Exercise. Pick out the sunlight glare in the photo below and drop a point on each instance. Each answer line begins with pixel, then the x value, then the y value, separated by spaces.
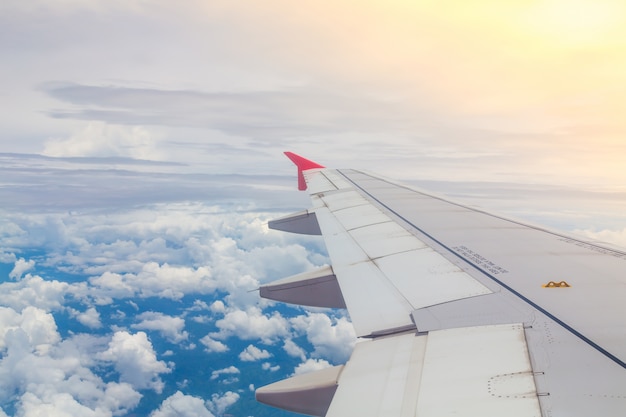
pixel 576 22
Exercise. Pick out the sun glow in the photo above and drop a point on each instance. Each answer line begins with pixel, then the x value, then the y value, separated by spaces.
pixel 577 22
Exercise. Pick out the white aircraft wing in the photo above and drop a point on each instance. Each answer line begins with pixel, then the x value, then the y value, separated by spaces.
pixel 460 312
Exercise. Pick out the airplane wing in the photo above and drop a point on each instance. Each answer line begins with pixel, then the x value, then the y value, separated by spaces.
pixel 460 312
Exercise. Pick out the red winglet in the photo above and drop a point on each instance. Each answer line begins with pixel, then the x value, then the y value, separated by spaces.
pixel 303 164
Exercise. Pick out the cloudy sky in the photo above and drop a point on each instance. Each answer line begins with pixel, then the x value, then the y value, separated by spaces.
pixel 141 157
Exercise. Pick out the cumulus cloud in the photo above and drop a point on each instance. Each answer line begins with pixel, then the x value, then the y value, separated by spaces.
pixel 33 290
pixel 253 353
pixel 38 326
pixel 7 257
pixel 213 345
pixel 231 370
pixel 199 305
pixel 181 405
pixel 252 324
pixel 219 403
pixel 135 359
pixel 45 375
pixel 202 319
pixel 293 349
pixel 218 307
pixel 311 365
pixel 172 328
pixel 21 266
pixel 268 367
pixel 55 405
pixel 165 252
pixel 332 338
pixel 89 318
pixel 162 251
pixel 154 280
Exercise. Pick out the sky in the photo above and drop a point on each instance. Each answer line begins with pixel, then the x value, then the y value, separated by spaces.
pixel 141 158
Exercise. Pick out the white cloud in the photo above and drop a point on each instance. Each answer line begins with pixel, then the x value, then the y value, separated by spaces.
pixel 333 339
pixel 116 399
pixel 128 260
pixel 164 251
pixel 44 375
pixel 155 280
pixel 202 319
pixel 615 237
pixel 89 318
pixel 213 345
pixel 21 266
pixel 311 365
pixel 105 140
pixel 135 360
pixel 32 290
pixel 37 326
pixel 231 370
pixel 181 405
pixel 7 257
pixel 293 349
pixel 199 305
pixel 219 403
pixel 266 366
pixel 218 307
pixel 120 397
pixel 253 353
pixel 169 327
pixel 55 405
pixel 40 328
pixel 252 324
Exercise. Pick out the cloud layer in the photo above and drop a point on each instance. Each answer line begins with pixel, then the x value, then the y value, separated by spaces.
pixel 95 276
pixel 532 91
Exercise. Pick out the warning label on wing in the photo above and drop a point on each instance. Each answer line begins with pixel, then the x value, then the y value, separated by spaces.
pixel 479 260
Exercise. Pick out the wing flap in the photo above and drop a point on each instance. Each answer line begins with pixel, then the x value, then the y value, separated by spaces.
pixel 384 375
pixel 374 304
pixel 477 371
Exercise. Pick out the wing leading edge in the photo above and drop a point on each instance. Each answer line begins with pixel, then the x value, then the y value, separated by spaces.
pixel 453 308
